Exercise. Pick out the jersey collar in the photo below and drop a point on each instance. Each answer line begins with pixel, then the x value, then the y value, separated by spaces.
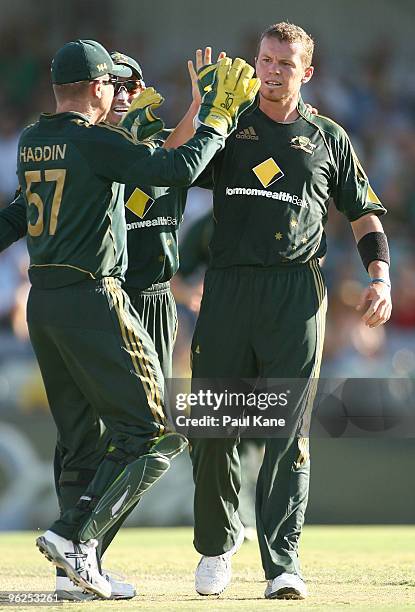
pixel 65 115
pixel 303 110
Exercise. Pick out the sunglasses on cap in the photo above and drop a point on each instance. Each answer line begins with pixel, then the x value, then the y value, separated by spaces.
pixel 130 87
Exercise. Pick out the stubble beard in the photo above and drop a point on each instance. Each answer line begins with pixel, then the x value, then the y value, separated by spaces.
pixel 274 96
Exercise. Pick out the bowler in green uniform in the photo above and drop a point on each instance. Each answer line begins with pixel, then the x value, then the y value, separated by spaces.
pixel 264 303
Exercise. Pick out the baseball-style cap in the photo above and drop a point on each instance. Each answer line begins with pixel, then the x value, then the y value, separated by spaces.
pixel 121 59
pixel 84 60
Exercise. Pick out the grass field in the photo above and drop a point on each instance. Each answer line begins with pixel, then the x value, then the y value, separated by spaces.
pixel 347 568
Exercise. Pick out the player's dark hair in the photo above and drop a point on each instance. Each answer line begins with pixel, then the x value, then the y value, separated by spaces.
pixel 288 32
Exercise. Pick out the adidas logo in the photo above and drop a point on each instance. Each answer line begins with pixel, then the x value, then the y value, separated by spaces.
pixel 247 134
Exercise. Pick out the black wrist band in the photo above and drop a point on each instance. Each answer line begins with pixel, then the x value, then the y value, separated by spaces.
pixel 373 247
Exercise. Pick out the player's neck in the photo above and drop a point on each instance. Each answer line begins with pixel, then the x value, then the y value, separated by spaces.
pixel 93 114
pixel 283 111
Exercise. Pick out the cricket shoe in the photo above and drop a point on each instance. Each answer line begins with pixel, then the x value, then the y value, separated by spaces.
pixel 79 562
pixel 286 586
pixel 213 574
pixel 65 590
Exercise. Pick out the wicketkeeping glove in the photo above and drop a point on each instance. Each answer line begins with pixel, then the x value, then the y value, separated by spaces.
pixel 205 78
pixel 140 119
pixel 233 91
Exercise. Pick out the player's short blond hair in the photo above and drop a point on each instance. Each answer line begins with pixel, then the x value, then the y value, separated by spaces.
pixel 71 91
pixel 288 32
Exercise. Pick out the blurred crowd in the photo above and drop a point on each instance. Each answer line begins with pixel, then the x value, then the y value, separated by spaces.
pixel 372 97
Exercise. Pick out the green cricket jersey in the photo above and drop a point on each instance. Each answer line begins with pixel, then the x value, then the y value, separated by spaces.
pixel 151 231
pixel 152 235
pixel 272 186
pixel 13 224
pixel 72 176
pixel 153 215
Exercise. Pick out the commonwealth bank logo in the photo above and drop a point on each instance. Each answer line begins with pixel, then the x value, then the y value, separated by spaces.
pixel 268 172
pixel 139 203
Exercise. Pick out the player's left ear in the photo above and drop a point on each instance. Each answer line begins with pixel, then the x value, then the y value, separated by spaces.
pixel 97 88
pixel 308 74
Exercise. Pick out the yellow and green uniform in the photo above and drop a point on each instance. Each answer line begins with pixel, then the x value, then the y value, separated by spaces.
pixel 96 359
pixel 263 310
pixel 153 216
pixel 152 261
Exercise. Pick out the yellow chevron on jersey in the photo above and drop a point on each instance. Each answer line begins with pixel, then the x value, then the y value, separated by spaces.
pixel 372 197
pixel 139 203
pixel 268 172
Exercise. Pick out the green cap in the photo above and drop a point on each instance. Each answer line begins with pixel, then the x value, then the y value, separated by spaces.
pixel 84 60
pixel 120 58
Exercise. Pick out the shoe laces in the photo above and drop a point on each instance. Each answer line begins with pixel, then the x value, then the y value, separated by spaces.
pixel 91 544
pixel 112 576
pixel 214 564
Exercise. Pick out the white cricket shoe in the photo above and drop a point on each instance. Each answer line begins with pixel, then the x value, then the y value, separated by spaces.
pixel 79 562
pixel 213 574
pixel 66 590
pixel 119 589
pixel 286 586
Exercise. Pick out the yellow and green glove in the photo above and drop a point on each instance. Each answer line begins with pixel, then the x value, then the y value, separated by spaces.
pixel 140 119
pixel 205 78
pixel 232 92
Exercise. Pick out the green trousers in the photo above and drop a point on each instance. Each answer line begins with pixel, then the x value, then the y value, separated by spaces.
pixel 258 323
pixel 157 309
pixel 97 363
pixel 158 314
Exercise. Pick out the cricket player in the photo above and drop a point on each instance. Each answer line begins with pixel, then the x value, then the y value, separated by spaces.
pixel 153 216
pixel 264 303
pixel 96 360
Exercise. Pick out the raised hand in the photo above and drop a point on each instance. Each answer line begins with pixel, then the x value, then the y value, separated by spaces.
pixel 232 91
pixel 140 119
pixel 203 60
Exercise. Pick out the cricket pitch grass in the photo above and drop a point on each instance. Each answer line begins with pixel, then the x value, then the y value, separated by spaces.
pixel 347 568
